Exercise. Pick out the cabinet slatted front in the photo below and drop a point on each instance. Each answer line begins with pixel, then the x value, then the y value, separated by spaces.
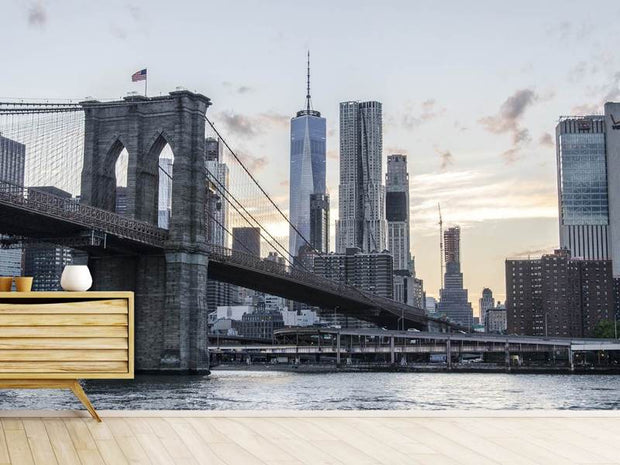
pixel 65 336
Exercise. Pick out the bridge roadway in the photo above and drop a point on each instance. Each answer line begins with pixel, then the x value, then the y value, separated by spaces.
pixel 34 214
pixel 346 342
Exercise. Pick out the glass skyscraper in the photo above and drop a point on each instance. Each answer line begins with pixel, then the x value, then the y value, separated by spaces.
pixel 308 165
pixel 582 187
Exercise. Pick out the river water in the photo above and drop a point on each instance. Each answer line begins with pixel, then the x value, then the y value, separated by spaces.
pixel 271 390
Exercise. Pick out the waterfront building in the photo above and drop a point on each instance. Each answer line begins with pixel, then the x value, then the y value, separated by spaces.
pixel 582 186
pixel 557 295
pixel 319 223
pixel 361 201
pixel 12 166
pixel 367 271
pixel 495 319
pixel 307 172
pixel 453 301
pixel 260 323
pixel 484 303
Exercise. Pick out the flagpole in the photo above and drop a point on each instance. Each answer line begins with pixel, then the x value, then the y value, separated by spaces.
pixel 146 78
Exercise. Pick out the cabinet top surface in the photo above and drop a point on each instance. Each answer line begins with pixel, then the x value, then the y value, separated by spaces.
pixel 67 295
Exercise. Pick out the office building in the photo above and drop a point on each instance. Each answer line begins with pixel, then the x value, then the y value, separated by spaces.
pixel 260 323
pixel 397 212
pixel 582 187
pixel 367 271
pixel 361 201
pixel 430 305
pixel 45 264
pixel 307 170
pixel 453 297
pixel 612 148
pixel 214 150
pixel 246 240
pixel 12 169
pixel 319 223
pixel 218 183
pixel 484 303
pixel 495 320
pixel 121 201
pixel 407 288
pixel 557 295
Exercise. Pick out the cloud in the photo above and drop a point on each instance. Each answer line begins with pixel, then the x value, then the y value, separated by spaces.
pixel 332 154
pixel 507 121
pixel 473 196
pixel 244 89
pixel 238 124
pixel 427 111
pixel 118 31
pixel 607 92
pixel 446 159
pixel 533 253
pixel 546 140
pixel 252 162
pixel 587 109
pixel 37 14
pixel 566 30
pixel 251 126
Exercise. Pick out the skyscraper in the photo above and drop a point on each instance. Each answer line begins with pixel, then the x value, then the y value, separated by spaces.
pixel 582 186
pixel 319 222
pixel 218 177
pixel 12 164
pixel 246 240
pixel 361 199
pixel 308 164
pixel 485 302
pixel 397 212
pixel 612 146
pixel 453 298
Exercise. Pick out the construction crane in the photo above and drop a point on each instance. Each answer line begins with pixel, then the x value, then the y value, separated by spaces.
pixel 440 244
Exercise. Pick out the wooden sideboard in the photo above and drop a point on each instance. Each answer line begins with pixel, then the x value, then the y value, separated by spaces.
pixel 53 339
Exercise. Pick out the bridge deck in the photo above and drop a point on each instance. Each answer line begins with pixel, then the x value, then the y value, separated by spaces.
pixel 297 438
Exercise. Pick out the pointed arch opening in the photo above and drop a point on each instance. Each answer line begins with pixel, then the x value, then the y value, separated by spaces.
pixel 112 175
pixel 165 164
pixel 120 173
pixel 154 183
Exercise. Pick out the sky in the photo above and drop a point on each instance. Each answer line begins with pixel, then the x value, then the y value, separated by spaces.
pixel 471 93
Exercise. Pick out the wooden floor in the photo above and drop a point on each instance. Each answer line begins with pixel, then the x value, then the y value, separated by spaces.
pixel 313 438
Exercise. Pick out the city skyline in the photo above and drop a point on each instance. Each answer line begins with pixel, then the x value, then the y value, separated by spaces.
pixel 462 119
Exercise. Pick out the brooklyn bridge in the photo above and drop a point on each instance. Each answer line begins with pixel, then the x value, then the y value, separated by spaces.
pixel 77 148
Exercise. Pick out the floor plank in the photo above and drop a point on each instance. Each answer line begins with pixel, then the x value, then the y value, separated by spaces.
pixel 310 438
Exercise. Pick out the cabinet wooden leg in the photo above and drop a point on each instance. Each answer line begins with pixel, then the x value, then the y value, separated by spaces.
pixel 81 395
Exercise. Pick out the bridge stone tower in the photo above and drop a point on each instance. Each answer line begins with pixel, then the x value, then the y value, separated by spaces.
pixel 170 287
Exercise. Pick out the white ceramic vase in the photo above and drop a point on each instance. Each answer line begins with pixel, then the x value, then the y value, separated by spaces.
pixel 76 278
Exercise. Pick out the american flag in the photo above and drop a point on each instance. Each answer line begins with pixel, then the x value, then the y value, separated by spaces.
pixel 139 76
